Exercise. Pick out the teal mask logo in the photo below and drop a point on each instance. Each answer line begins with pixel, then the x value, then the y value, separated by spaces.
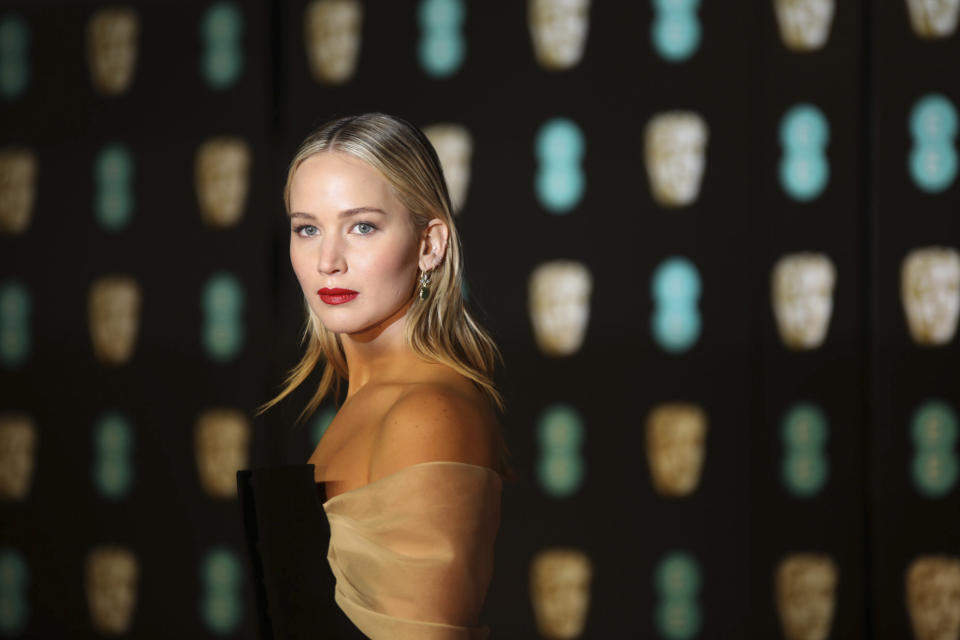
pixel 677 583
pixel 933 430
pixel 223 304
pixel 113 172
pixel 14 57
pixel 14 324
pixel 220 602
pixel 805 467
pixel 112 448
pixel 933 158
pixel 221 31
pixel 14 589
pixel 321 422
pixel 442 47
pixel 675 31
pixel 560 180
pixel 561 468
pixel 804 136
pixel 675 287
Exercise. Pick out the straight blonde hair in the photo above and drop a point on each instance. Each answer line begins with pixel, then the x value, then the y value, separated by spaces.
pixel 438 329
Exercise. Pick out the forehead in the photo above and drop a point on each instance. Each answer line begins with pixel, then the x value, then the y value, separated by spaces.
pixel 337 181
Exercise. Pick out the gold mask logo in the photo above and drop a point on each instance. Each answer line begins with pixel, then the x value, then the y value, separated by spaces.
pixel 802 292
pixel 222 175
pixel 454 146
pixel 112 42
pixel 930 293
pixel 559 31
pixel 113 308
pixel 806 594
pixel 112 574
pixel 560 591
pixel 332 35
pixel 804 24
pixel 18 443
pixel 933 597
pixel 674 147
pixel 221 445
pixel 18 189
pixel 676 447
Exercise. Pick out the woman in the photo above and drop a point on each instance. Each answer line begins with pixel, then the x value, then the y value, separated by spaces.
pixel 410 465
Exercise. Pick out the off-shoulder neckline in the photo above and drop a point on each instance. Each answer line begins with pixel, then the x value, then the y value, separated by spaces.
pixel 412 466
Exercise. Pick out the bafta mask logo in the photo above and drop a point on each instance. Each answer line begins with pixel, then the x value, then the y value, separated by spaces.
pixel 933 19
pixel 14 592
pixel 223 302
pixel 560 180
pixel 934 430
pixel 933 157
pixel 802 292
pixel 674 146
pixel 442 45
pixel 560 592
pixel 112 40
pixel 222 174
pixel 14 57
pixel 332 34
pixel 930 293
pixel 113 200
pixel 675 287
pixel 805 467
pixel 112 574
pixel 804 168
pixel 804 24
pixel 14 324
pixel 18 189
pixel 454 146
pixel 806 593
pixel 221 32
pixel 933 597
pixel 18 443
pixel 113 307
pixel 560 433
pixel 112 448
pixel 677 581
pixel 675 33
pixel 221 604
pixel 221 444
pixel 559 31
pixel 559 305
pixel 676 436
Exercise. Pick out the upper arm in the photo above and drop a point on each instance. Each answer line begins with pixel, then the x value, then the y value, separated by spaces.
pixel 430 424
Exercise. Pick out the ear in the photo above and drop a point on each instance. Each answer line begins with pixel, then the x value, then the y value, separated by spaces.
pixel 433 244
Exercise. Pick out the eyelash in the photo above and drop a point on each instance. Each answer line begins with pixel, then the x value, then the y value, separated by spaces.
pixel 299 229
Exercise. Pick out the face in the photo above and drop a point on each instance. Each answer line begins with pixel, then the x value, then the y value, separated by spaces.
pixel 559 29
pixel 221 444
pixel 222 173
pixel 930 292
pixel 112 574
pixel 353 244
pixel 114 316
pixel 934 18
pixel 333 39
pixel 803 298
pixel 674 148
pixel 676 435
pixel 112 48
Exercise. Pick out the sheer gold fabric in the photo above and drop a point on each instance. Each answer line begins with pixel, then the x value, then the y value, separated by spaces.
pixel 412 552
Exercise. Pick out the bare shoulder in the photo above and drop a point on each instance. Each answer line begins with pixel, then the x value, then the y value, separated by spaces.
pixel 434 421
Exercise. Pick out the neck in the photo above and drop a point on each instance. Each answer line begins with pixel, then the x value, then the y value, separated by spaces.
pixel 378 352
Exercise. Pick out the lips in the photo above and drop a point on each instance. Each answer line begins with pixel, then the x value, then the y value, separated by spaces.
pixel 336 296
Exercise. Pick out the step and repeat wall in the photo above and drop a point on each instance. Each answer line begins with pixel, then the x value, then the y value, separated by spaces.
pixel 716 242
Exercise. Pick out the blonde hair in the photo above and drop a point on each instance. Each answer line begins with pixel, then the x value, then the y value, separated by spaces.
pixel 438 329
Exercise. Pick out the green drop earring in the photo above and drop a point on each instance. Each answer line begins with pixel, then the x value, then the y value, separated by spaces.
pixel 424 285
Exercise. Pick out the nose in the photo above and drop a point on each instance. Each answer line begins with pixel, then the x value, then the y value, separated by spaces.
pixel 330 259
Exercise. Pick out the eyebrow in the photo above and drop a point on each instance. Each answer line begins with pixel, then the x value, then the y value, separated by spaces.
pixel 343 214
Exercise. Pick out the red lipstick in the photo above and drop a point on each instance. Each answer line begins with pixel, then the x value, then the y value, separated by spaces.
pixel 336 296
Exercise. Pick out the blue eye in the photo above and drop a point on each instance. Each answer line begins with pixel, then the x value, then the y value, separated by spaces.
pixel 364 228
pixel 305 230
